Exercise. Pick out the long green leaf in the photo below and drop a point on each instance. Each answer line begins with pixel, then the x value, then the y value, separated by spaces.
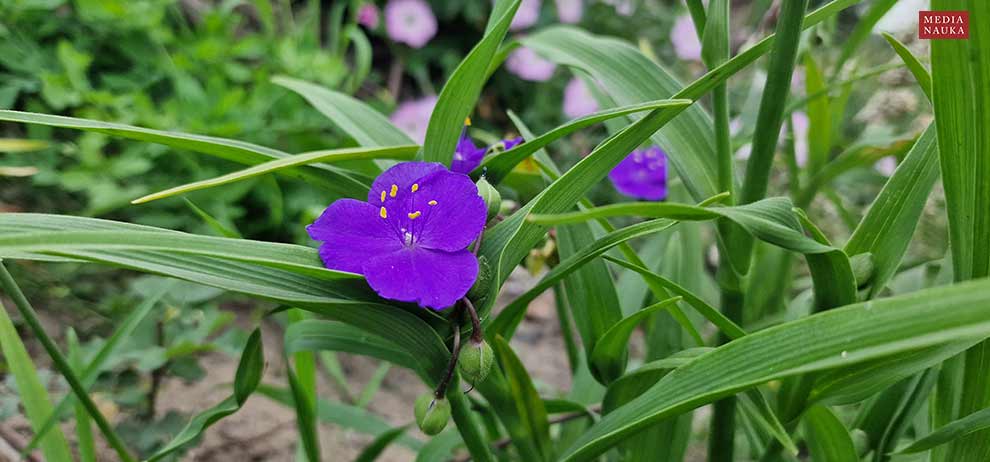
pixel 614 342
pixel 34 396
pixel 325 176
pixel 250 368
pixel 460 93
pixel 367 126
pixel 528 402
pixel 372 451
pixel 321 335
pixel 862 31
pixel 828 440
pixel 979 420
pixel 869 330
pixel 918 70
pixel 333 155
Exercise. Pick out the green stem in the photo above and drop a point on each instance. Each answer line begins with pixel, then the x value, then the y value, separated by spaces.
pixel 61 364
pixel 721 442
pixel 467 426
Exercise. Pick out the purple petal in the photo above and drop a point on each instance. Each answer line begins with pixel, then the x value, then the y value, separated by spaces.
pixel 511 143
pixel 431 278
pixel 410 21
pixel 449 212
pixel 467 155
pixel 642 174
pixel 368 16
pixel 352 232
pixel 403 175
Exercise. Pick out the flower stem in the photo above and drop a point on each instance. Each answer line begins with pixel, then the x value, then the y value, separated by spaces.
pixel 441 390
pixel 477 335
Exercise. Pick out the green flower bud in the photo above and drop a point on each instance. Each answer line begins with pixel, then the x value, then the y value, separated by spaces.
pixel 861 441
pixel 491 196
pixel 431 414
pixel 862 267
pixel 475 362
pixel 481 285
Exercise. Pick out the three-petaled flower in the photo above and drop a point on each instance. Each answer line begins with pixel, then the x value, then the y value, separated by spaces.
pixel 410 238
pixel 642 174
pixel 468 156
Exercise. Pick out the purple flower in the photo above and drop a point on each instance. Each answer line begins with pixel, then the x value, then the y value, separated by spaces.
pixel 886 165
pixel 578 101
pixel 528 65
pixel 570 11
pixel 412 117
pixel 410 22
pixel 368 16
pixel 685 39
pixel 642 174
pixel 527 14
pixel 468 156
pixel 410 238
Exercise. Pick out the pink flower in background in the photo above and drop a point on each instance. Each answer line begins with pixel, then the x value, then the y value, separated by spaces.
pixel 797 81
pixel 578 101
pixel 570 11
pixel 527 14
pixel 685 39
pixel 800 122
pixel 526 64
pixel 886 165
pixel 623 7
pixel 410 21
pixel 368 16
pixel 413 116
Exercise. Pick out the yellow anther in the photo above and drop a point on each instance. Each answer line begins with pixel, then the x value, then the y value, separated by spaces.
pixel 383 196
pixel 394 190
pixel 415 187
pixel 383 213
pixel 467 121
pixel 432 202
pixel 415 215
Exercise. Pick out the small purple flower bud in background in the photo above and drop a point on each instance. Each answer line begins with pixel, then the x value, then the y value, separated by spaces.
pixel 410 239
pixel 368 16
pixel 410 21
pixel 570 11
pixel 886 165
pixel 527 14
pixel 800 122
pixel 412 117
pixel 685 39
pixel 642 174
pixel 467 155
pixel 526 64
pixel 578 101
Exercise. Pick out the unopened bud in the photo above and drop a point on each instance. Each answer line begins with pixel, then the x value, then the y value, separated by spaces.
pixel 484 280
pixel 493 199
pixel 475 362
pixel 862 268
pixel 432 414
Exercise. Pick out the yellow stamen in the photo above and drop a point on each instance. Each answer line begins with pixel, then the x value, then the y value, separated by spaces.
pixel 415 187
pixel 383 213
pixel 394 190
pixel 432 202
pixel 415 215
pixel 467 121
pixel 383 196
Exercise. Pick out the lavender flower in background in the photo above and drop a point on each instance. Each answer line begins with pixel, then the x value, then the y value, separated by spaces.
pixel 412 117
pixel 886 165
pixel 528 65
pixel 527 14
pixel 410 238
pixel 410 21
pixel 685 40
pixel 578 100
pixel 368 16
pixel 570 11
pixel 642 174
pixel 800 124
pixel 622 7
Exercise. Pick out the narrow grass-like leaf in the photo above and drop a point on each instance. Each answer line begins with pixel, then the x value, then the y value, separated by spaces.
pixel 819 116
pixel 832 273
pixel 896 211
pixel 33 395
pixel 321 335
pixel 212 222
pixel 467 424
pixel 862 31
pixel 85 443
pixel 305 416
pixel 439 448
pixel 608 357
pixel 496 168
pixel 333 155
pixel 459 95
pixel 828 440
pixel 528 402
pixel 246 379
pixel 372 451
pixel 870 330
pixel 974 422
pixel 917 69
pixel 325 176
pixel 366 125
